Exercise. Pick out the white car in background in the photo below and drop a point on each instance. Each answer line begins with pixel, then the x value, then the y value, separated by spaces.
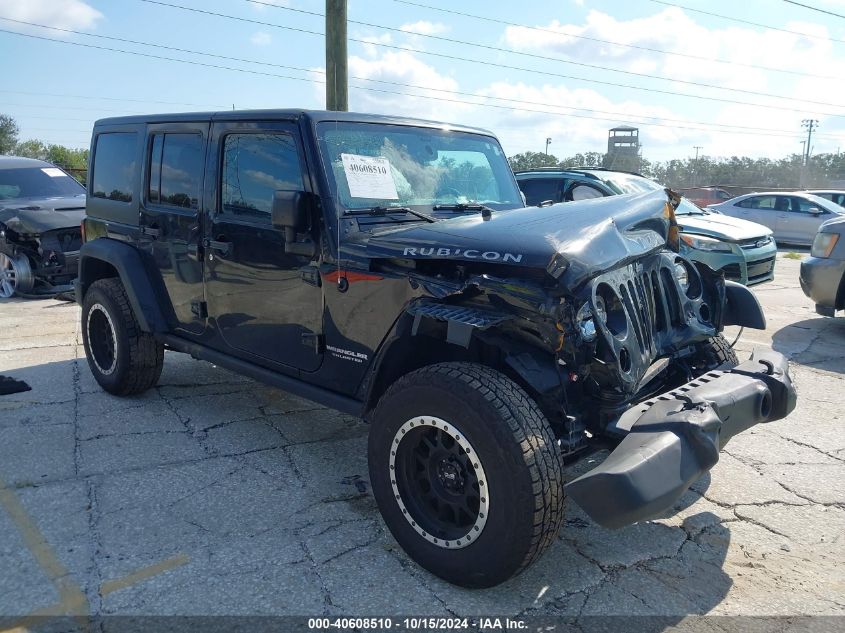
pixel 794 217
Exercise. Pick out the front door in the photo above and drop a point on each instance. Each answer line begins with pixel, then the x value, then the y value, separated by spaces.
pixel 264 301
pixel 802 225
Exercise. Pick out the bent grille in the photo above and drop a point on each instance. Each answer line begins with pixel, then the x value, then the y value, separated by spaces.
pixel 650 305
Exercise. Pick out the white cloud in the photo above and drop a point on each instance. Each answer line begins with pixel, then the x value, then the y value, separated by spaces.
pixel 404 68
pixel 424 27
pixel 63 14
pixel 261 38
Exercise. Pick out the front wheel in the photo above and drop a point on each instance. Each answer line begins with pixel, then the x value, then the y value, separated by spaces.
pixel 466 472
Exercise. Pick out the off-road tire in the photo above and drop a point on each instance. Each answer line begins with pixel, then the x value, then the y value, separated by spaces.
pixel 519 456
pixel 716 351
pixel 138 357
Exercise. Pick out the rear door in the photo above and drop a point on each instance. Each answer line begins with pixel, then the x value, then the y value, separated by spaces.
pixel 760 209
pixel 169 214
pixel 266 303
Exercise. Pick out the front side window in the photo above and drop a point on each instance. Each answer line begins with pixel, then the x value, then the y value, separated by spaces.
pixel 114 166
pixel 255 165
pixel 176 166
pixel 372 165
pixel 800 205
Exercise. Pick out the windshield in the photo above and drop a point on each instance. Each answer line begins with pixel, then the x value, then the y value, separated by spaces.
pixel 376 165
pixel 628 183
pixel 688 208
pixel 37 182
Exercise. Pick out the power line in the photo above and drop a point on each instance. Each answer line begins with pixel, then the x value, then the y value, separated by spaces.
pixel 558 60
pixel 90 98
pixel 612 43
pixel 626 116
pixel 819 9
pixel 741 21
pixel 500 65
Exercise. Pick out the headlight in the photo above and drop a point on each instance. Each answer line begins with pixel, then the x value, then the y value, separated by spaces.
pixel 682 275
pixel 586 324
pixel 823 244
pixel 701 243
pixel 601 309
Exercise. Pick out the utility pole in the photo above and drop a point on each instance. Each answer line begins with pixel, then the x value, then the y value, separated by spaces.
pixel 337 90
pixel 695 168
pixel 548 142
pixel 810 125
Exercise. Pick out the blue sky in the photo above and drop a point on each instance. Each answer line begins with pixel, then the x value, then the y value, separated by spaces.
pixel 559 79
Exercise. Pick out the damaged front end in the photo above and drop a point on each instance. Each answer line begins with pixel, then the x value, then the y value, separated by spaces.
pixel 591 305
pixel 673 439
pixel 39 248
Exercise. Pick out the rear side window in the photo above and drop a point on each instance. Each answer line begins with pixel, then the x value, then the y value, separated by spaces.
pixel 254 166
pixel 114 166
pixel 539 190
pixel 176 166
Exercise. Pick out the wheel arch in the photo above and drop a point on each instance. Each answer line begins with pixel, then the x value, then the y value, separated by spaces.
pixel 105 258
pixel 409 347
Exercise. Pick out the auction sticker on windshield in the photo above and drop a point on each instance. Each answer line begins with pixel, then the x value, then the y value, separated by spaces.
pixel 369 177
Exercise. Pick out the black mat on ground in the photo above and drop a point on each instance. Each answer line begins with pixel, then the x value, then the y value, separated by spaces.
pixel 10 385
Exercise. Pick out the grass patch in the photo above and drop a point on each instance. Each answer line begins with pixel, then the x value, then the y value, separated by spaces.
pixel 793 255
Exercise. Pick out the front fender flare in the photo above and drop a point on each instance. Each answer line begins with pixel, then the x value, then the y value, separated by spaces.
pixel 742 307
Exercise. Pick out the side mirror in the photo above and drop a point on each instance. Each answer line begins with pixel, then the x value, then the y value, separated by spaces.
pixel 816 211
pixel 291 211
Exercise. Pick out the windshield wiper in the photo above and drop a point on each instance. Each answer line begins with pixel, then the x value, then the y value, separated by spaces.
pixel 465 206
pixel 382 210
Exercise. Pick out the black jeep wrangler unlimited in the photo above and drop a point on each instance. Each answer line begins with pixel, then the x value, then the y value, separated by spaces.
pixel 388 268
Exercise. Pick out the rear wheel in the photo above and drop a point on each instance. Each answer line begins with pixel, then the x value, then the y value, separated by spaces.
pixel 466 473
pixel 123 359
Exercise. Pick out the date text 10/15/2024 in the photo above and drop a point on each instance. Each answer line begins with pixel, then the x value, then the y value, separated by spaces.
pixel 417 624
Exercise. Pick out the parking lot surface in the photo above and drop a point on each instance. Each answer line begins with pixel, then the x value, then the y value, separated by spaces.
pixel 213 494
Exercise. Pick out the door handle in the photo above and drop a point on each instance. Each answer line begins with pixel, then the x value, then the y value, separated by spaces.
pixel 221 246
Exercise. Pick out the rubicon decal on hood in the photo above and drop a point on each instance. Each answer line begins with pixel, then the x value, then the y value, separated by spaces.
pixel 470 253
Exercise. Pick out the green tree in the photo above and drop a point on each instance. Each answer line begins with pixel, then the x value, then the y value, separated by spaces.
pixel 8 134
pixel 32 148
pixel 532 160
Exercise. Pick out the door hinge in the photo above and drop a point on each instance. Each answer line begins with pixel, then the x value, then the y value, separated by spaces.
pixel 199 309
pixel 310 275
pixel 316 342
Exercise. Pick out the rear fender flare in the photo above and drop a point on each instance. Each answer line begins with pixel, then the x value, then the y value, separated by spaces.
pixel 144 297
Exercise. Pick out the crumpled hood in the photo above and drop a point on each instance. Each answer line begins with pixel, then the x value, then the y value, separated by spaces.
pixel 721 226
pixel 33 217
pixel 592 236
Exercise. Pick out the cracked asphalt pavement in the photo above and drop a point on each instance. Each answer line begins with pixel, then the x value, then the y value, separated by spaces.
pixel 213 494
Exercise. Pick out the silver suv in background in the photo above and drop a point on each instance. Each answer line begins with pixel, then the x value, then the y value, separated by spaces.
pixel 822 273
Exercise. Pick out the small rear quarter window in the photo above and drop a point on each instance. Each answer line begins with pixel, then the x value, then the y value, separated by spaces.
pixel 114 166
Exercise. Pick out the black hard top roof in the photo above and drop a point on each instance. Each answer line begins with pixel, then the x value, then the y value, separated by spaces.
pixel 315 116
pixel 18 162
